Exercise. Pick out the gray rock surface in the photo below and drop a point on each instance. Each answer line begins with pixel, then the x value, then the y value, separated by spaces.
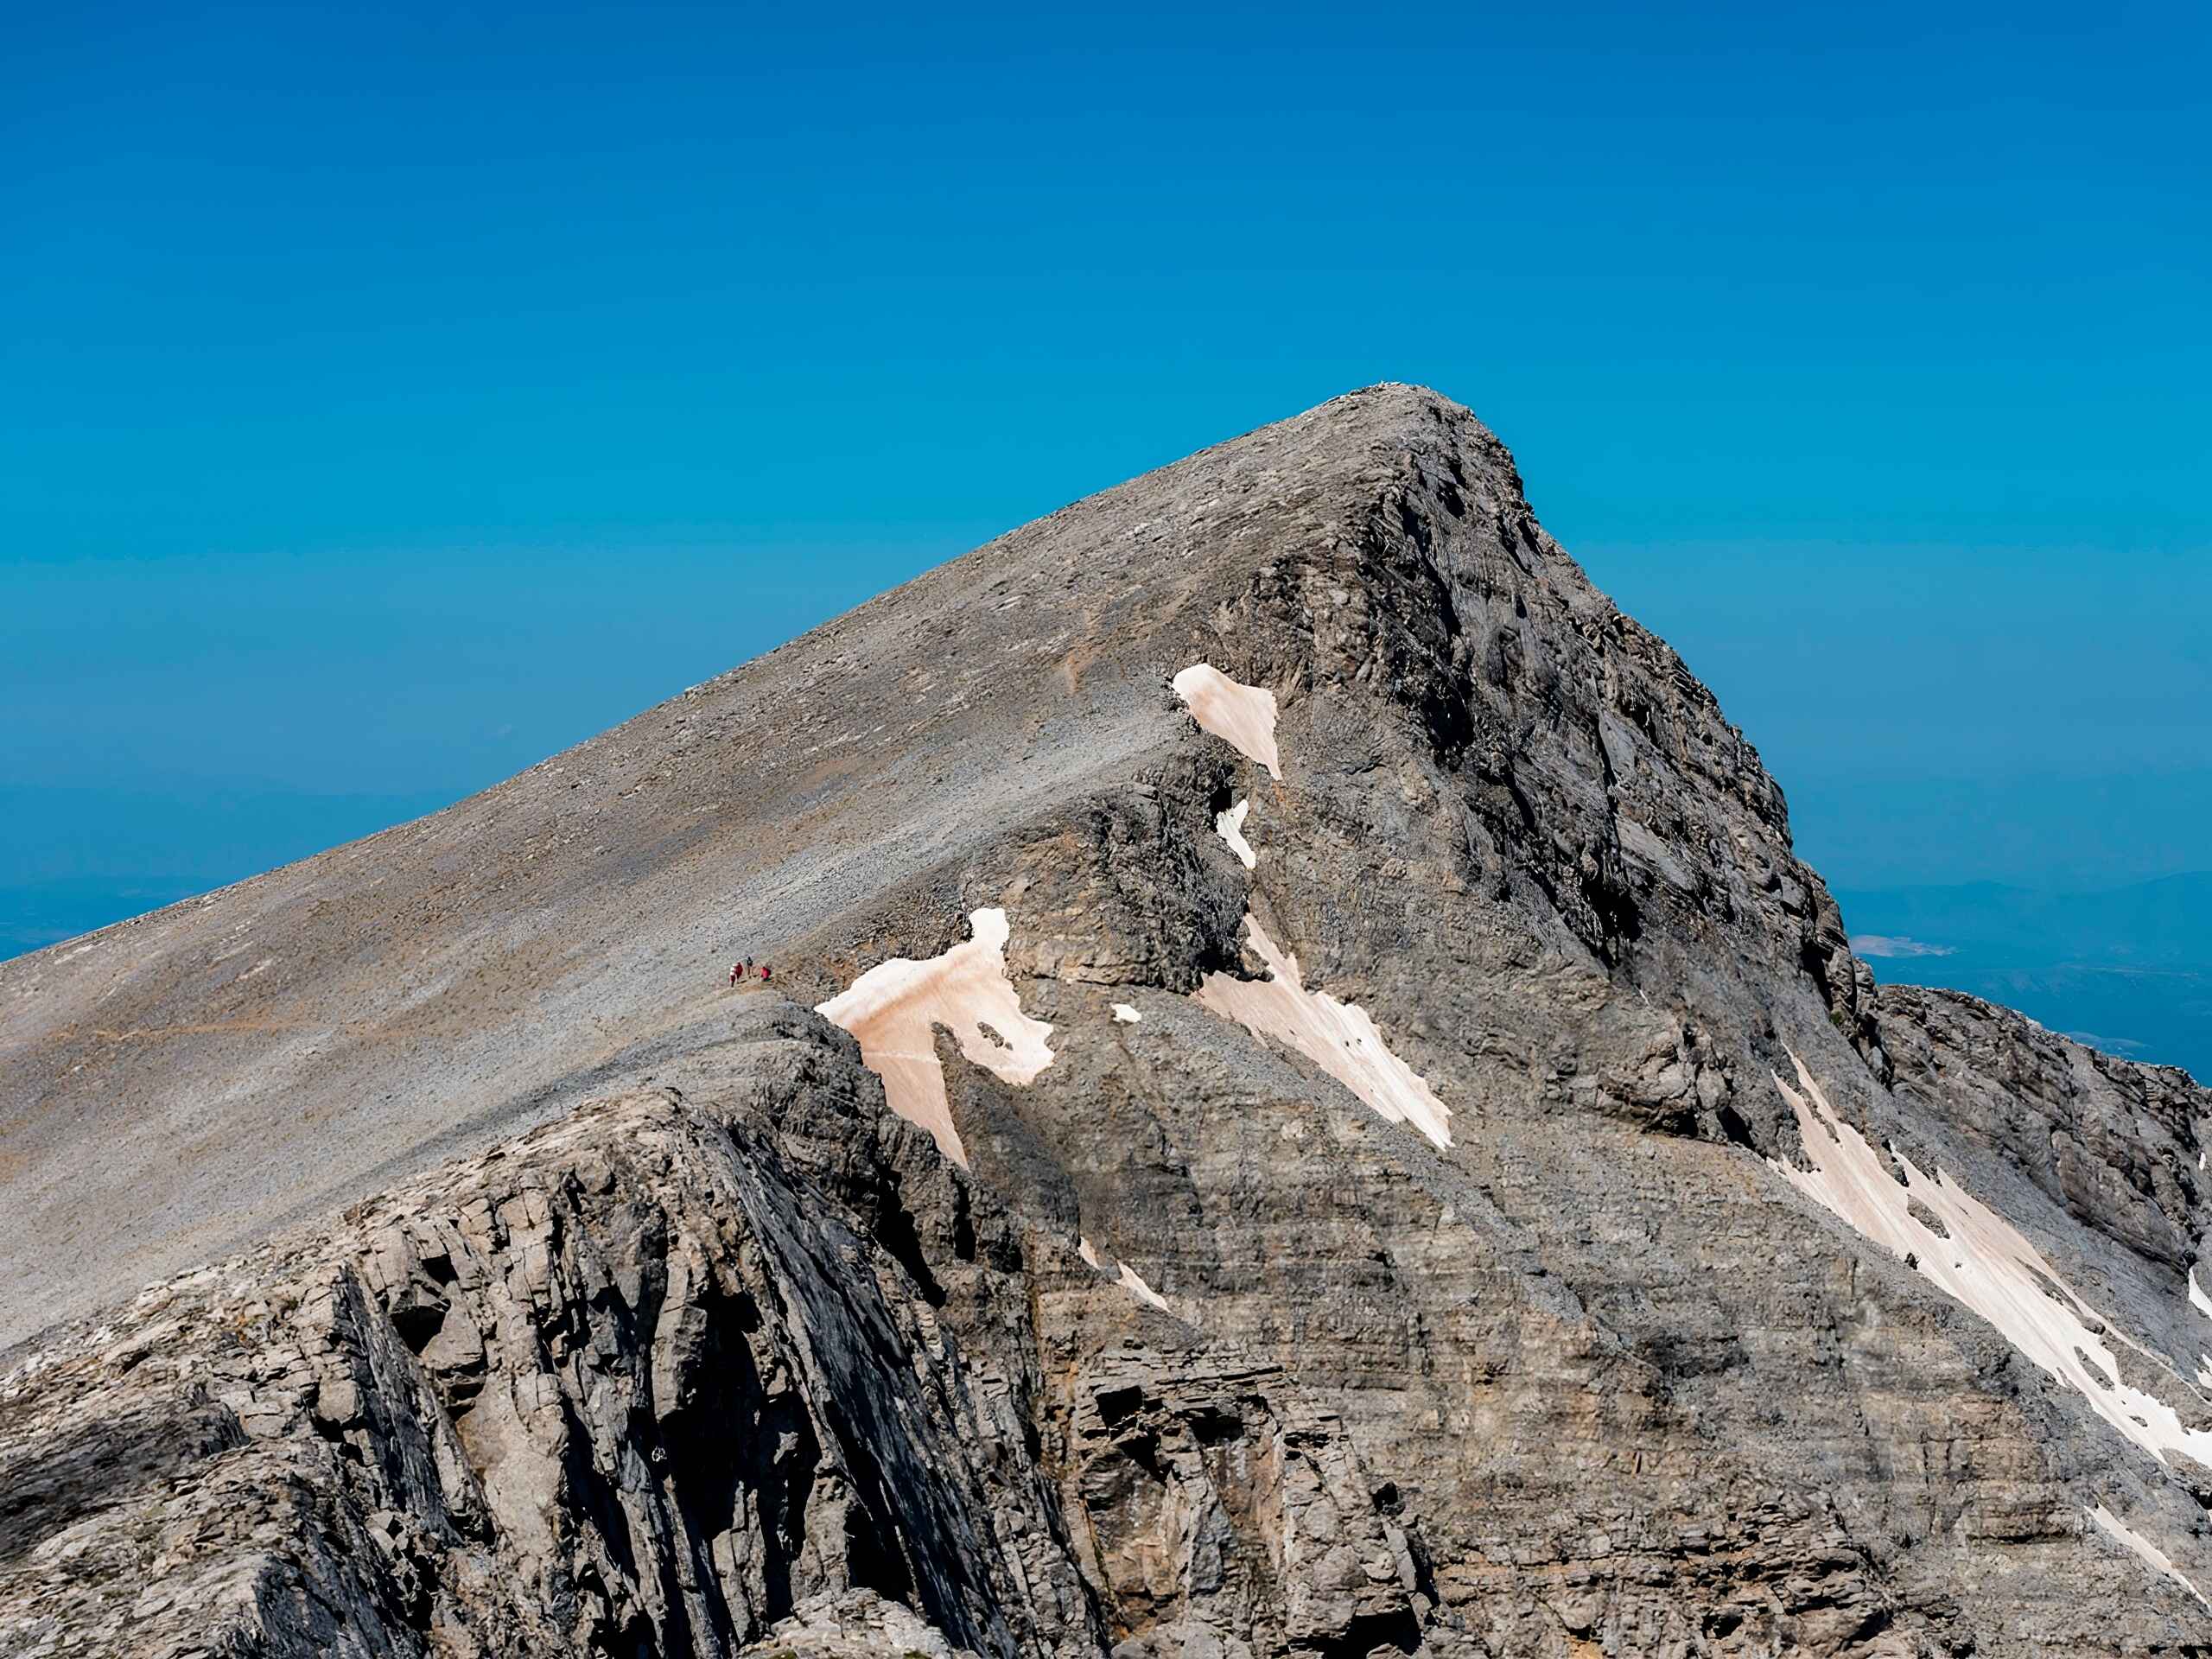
pixel 728 1358
pixel 757 1373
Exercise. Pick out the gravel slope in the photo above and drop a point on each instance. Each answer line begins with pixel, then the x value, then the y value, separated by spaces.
pixel 172 1087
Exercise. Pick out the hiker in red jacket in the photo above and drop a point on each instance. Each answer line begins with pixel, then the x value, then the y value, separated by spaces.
pixel 735 968
pixel 763 973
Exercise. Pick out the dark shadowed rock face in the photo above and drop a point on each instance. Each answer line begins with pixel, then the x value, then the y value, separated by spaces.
pixel 1204 1355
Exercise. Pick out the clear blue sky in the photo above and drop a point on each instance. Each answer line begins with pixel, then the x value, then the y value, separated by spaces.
pixel 392 396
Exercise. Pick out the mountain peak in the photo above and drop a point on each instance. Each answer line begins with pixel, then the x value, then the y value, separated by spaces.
pixel 1371 559
pixel 1260 996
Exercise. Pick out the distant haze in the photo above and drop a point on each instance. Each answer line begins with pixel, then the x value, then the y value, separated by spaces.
pixel 2127 968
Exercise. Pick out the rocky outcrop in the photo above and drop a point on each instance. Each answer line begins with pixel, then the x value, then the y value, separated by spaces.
pixel 675 1376
pixel 1221 1512
pixel 2118 1145
pixel 1207 1356
pixel 634 1384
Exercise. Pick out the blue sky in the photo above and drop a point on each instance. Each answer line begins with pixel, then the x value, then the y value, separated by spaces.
pixel 390 397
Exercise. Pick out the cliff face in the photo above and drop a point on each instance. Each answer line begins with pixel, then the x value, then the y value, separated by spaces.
pixel 678 1374
pixel 1406 1161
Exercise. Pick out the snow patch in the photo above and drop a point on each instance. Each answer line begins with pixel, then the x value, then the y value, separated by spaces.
pixel 1126 1276
pixel 1985 1263
pixel 1230 826
pixel 1338 1036
pixel 2128 1538
pixel 893 1006
pixel 1243 716
pixel 1125 1015
pixel 1144 1293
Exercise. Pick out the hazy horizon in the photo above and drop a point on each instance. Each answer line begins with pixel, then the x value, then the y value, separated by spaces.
pixel 394 400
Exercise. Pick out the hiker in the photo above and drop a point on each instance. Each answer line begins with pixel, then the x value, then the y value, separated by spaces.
pixel 763 973
pixel 735 969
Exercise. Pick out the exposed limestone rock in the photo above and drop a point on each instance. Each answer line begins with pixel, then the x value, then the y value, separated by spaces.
pixel 655 1379
pixel 854 1624
pixel 2115 1142
pixel 1205 1359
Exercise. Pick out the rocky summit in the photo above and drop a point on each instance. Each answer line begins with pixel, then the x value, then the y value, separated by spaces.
pixel 1304 1106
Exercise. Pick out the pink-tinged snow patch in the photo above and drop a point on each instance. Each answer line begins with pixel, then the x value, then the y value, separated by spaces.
pixel 1230 826
pixel 1338 1036
pixel 891 1009
pixel 1127 1276
pixel 1985 1263
pixel 1132 1282
pixel 2128 1539
pixel 1243 716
